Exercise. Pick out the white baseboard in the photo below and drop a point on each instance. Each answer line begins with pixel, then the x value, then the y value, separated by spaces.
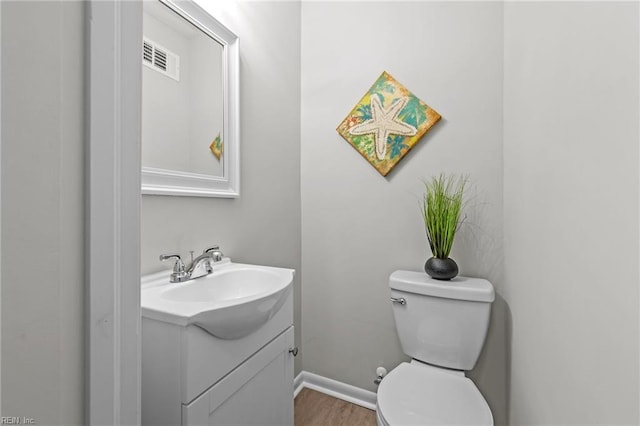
pixel 358 396
pixel 298 384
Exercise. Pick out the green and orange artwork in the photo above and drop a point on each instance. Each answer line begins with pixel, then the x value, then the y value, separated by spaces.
pixel 217 147
pixel 386 123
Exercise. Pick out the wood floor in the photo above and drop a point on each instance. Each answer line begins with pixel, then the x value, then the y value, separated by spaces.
pixel 313 408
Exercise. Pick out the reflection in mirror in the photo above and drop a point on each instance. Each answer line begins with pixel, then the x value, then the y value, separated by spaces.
pixel 189 102
pixel 181 94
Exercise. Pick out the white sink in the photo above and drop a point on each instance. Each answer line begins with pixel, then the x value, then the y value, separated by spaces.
pixel 230 303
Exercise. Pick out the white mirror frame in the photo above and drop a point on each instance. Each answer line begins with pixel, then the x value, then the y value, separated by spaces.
pixel 174 182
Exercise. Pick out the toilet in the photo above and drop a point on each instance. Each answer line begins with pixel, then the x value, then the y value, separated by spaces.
pixel 442 326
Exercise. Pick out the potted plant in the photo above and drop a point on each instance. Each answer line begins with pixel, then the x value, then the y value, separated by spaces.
pixel 442 204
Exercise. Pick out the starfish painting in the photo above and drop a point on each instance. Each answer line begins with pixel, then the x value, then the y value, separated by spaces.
pixel 383 123
pixel 386 123
pixel 217 147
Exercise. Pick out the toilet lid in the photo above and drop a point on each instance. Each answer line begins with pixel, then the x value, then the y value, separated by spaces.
pixel 418 395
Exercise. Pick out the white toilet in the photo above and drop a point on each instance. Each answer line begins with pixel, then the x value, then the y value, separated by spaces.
pixel 442 326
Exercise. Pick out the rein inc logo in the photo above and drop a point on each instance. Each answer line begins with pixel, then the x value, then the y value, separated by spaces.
pixel 6 420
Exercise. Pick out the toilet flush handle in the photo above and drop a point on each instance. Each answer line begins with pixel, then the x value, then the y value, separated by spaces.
pixel 400 300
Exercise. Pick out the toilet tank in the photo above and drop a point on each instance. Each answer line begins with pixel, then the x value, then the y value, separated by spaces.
pixel 443 323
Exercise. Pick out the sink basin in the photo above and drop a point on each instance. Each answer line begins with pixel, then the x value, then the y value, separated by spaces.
pixel 232 302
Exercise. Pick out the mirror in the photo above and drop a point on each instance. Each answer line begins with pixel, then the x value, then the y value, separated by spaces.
pixel 190 142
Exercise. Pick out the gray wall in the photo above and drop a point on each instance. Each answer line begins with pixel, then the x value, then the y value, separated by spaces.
pixel 263 225
pixel 571 211
pixel 42 211
pixel 358 227
pixel 546 124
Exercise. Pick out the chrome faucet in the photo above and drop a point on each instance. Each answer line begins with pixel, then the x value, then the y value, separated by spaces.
pixel 206 257
pixel 181 273
pixel 178 275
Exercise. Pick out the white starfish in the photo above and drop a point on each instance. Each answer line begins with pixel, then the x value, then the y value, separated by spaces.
pixel 384 123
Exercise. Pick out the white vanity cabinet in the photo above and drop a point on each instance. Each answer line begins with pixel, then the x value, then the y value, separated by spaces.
pixel 190 377
pixel 259 392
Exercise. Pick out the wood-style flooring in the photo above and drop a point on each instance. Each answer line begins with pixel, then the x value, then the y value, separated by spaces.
pixel 313 408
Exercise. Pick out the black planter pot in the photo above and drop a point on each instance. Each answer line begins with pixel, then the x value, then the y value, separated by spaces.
pixel 441 269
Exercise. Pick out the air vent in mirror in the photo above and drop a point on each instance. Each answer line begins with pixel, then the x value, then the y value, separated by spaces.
pixel 160 59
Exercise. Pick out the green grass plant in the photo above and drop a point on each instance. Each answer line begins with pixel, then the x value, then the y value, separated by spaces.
pixel 441 208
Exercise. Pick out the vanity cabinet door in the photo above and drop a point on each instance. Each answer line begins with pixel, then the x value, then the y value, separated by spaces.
pixel 258 392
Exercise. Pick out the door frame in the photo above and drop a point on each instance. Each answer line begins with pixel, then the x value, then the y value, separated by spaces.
pixel 113 213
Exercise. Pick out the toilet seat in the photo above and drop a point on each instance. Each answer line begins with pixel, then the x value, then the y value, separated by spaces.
pixel 413 394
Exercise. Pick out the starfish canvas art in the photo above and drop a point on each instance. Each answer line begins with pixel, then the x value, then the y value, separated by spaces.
pixel 217 147
pixel 386 123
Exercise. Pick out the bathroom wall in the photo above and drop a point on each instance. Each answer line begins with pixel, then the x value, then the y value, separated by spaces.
pixel 357 226
pixel 42 210
pixel 571 211
pixel 263 225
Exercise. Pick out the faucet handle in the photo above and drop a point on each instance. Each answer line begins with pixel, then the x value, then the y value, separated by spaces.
pixel 216 254
pixel 178 274
pixel 177 257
